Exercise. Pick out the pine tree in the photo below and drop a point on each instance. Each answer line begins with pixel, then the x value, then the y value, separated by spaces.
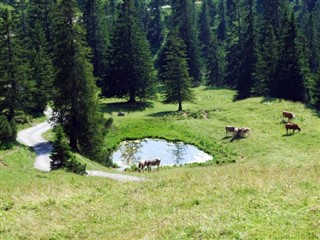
pixel 222 31
pixel 233 42
pixel 174 71
pixel 288 81
pixel 75 102
pixel 61 152
pixel 155 28
pixel 41 70
pixel 41 10
pixel 95 21
pixel 130 70
pixel 215 63
pixel 184 17
pixel 248 55
pixel 205 29
pixel 13 70
pixel 267 58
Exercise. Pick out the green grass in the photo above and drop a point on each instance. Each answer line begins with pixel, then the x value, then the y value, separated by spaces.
pixel 272 191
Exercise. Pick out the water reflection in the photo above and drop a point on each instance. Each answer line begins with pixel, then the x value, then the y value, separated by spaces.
pixel 170 153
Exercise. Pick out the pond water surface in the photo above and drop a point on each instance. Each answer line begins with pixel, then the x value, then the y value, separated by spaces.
pixel 171 153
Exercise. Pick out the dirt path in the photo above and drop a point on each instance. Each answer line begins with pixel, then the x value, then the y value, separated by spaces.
pixel 32 137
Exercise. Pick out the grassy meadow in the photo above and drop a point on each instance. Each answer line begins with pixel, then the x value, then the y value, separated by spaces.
pixel 265 186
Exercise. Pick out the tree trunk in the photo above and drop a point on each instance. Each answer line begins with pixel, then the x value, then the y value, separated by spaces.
pixel 132 98
pixel 180 106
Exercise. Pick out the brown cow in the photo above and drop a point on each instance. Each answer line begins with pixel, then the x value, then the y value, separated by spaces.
pixel 153 162
pixel 288 115
pixel 292 126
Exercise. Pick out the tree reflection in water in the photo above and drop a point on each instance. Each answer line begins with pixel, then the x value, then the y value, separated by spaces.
pixel 130 151
pixel 179 152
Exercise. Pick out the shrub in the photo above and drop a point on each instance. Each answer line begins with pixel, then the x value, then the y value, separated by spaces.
pixel 72 165
pixel 7 130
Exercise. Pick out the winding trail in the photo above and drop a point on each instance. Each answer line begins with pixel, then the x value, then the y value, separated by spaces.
pixel 32 137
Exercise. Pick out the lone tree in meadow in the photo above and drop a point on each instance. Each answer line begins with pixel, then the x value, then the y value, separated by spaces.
pixel 174 71
pixel 130 69
pixel 75 100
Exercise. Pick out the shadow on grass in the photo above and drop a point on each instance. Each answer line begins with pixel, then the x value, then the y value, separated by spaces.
pixel 226 137
pixel 267 99
pixel 313 109
pixel 125 107
pixel 164 114
pixel 289 135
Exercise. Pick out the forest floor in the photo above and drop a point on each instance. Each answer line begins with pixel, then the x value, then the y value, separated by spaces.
pixel 269 190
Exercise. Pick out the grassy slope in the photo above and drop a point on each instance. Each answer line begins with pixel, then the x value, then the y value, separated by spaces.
pixel 272 191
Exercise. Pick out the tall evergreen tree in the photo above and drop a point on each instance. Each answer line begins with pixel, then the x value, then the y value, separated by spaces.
pixel 9 74
pixel 130 70
pixel 215 63
pixel 41 10
pixel 155 28
pixel 233 42
pixel 248 55
pixel 205 29
pixel 174 71
pixel 75 103
pixel 221 30
pixel 288 81
pixel 13 68
pixel 95 21
pixel 184 17
pixel 267 58
pixel 41 70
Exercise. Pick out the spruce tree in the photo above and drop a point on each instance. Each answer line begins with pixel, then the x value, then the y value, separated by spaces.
pixel 184 17
pixel 75 102
pixel 97 34
pixel 155 28
pixel 130 68
pixel 233 42
pixel 13 71
pixel 215 63
pixel 267 58
pixel 41 70
pixel 61 152
pixel 222 27
pixel 248 55
pixel 288 81
pixel 174 71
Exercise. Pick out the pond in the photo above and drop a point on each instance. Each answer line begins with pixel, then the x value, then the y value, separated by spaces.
pixel 171 153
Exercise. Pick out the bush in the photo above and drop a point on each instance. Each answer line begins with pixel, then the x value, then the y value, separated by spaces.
pixel 7 130
pixel 72 165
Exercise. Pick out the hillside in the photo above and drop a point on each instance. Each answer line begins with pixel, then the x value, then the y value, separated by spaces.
pixel 271 191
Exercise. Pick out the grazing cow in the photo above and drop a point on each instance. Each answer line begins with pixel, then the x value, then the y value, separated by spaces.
pixel 230 129
pixel 292 126
pixel 142 164
pixel 153 162
pixel 288 115
pixel 243 131
pixel 121 114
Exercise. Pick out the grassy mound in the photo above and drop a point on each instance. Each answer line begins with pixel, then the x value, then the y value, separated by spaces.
pixel 271 191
